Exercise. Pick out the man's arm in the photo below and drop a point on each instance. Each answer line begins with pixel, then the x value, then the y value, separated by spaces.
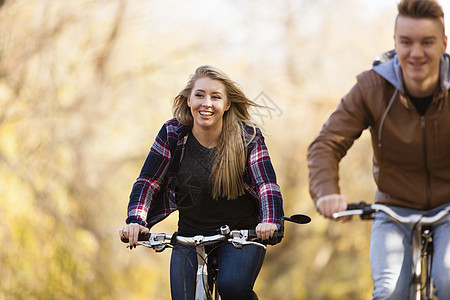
pixel 342 128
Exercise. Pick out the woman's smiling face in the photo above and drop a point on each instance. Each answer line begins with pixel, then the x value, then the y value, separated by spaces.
pixel 208 102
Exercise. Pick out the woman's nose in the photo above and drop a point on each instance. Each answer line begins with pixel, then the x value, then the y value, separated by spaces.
pixel 207 101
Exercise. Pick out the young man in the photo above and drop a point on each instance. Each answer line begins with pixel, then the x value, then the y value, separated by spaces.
pixel 405 102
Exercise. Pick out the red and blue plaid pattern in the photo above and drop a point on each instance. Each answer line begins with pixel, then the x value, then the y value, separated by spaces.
pixel 152 198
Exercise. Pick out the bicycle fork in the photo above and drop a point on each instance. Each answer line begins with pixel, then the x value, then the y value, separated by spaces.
pixel 421 240
pixel 427 241
pixel 202 273
pixel 416 279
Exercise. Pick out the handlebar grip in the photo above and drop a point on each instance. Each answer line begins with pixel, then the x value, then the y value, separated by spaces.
pixel 141 238
pixel 359 205
pixel 367 210
pixel 275 239
pixel 353 206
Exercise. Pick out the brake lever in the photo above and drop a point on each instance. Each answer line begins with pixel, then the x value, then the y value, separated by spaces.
pixel 240 238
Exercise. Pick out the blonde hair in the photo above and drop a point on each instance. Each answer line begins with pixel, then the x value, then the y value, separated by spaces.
pixel 231 155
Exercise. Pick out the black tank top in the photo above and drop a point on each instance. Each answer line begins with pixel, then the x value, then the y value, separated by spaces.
pixel 199 213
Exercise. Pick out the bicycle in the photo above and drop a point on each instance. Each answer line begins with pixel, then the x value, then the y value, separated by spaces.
pixel 207 266
pixel 421 285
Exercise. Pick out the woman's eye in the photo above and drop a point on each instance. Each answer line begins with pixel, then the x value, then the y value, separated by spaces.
pixel 198 95
pixel 216 97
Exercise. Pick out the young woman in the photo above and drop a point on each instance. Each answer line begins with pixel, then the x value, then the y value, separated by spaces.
pixel 211 163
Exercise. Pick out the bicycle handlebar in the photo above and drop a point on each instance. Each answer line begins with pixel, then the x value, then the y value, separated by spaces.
pixel 366 211
pixel 239 238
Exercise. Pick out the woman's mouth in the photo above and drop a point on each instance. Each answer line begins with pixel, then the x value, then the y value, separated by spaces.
pixel 206 113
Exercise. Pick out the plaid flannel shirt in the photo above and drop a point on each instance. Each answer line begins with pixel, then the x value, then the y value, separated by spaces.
pixel 152 197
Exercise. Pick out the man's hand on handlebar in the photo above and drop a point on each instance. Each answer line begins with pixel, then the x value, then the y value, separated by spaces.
pixel 131 232
pixel 330 204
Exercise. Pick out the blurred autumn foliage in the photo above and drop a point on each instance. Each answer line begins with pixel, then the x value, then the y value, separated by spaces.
pixel 85 86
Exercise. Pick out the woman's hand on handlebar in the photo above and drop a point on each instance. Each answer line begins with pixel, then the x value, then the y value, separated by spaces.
pixel 131 232
pixel 330 204
pixel 264 231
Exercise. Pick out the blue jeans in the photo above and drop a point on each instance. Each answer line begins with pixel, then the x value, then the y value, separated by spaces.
pixel 238 269
pixel 391 261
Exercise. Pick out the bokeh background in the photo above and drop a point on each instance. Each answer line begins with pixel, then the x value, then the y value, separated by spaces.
pixel 85 86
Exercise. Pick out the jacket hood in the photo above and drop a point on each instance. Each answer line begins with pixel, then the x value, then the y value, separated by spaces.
pixel 387 66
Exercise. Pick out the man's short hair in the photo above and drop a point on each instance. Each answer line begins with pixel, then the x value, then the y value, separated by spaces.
pixel 422 9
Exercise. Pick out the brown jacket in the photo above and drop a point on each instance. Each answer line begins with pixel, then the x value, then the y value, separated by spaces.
pixel 411 159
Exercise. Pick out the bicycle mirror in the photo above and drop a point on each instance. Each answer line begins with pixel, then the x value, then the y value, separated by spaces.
pixel 298 218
